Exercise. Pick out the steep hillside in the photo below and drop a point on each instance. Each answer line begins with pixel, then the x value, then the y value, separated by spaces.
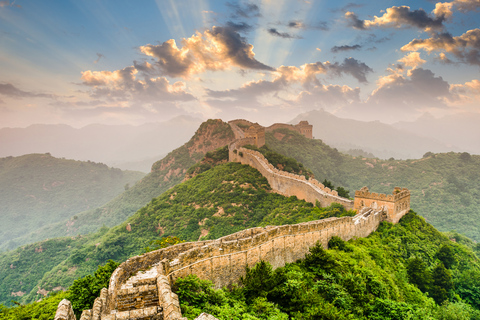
pixel 165 174
pixel 383 140
pixel 224 199
pixel 37 190
pixel 115 145
pixel 444 187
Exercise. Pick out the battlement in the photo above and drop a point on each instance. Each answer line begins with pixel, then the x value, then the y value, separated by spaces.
pixel 137 294
pixel 285 183
pixel 395 204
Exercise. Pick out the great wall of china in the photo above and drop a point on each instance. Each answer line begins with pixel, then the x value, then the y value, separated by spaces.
pixel 140 288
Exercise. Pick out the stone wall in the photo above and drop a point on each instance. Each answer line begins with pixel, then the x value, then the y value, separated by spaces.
pixel 223 261
pixel 285 183
pixel 303 127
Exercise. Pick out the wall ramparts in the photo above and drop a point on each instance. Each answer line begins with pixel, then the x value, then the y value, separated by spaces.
pixel 223 260
pixel 285 183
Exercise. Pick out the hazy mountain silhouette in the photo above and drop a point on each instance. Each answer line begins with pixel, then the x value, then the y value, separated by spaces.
pixel 122 146
pixel 383 140
pixel 461 130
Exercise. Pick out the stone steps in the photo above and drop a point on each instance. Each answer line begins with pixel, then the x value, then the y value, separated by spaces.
pixel 139 292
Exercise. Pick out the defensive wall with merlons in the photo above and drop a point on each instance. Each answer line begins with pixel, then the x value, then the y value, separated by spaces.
pixel 282 182
pixel 140 288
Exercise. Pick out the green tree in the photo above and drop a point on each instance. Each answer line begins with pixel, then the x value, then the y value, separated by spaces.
pixel 442 284
pixel 418 274
pixel 342 192
pixel 162 243
pixel 83 291
pixel 318 260
pixel 328 184
pixel 447 256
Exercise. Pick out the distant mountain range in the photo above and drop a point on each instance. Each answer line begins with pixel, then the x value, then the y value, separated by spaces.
pixel 122 146
pixel 399 141
pixel 461 130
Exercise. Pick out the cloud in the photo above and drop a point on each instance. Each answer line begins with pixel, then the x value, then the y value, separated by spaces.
pixel 103 78
pixel 348 6
pixel 328 97
pixel 401 96
pixel 123 85
pixel 419 89
pixel 216 49
pixel 240 27
pixel 283 90
pixel 445 9
pixel 9 90
pixel 466 47
pixel 354 21
pixel 442 58
pixel 247 10
pixel 285 35
pixel 99 55
pixel 345 48
pixel 467 93
pixel 296 24
pixel 401 16
pixel 351 66
pixel 412 60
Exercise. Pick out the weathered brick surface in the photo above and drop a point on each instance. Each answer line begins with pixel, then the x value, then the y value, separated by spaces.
pixel 64 311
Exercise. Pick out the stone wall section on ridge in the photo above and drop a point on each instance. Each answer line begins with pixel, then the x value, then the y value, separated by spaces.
pixel 285 183
pixel 134 293
pixel 223 260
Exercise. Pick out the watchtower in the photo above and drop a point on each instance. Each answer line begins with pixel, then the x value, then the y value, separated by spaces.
pixel 395 205
pixel 257 133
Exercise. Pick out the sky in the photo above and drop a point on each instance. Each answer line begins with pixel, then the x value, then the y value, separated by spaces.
pixel 134 62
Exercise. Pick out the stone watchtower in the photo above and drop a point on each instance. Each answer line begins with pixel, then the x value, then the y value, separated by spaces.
pixel 395 205
pixel 305 129
pixel 257 133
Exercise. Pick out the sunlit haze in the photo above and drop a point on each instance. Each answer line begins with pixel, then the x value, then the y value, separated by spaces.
pixel 133 62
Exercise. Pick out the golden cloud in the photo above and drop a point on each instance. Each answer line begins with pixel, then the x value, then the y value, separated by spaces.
pixel 412 60
pixel 216 49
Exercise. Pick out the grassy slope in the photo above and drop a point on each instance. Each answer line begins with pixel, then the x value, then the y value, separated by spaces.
pixel 37 190
pixel 444 187
pixel 165 174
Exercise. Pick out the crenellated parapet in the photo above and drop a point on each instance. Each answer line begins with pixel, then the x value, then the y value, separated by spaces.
pixel 285 183
pixel 140 288
pixel 395 205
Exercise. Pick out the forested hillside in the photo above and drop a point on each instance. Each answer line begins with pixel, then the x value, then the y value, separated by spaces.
pixel 222 200
pixel 165 174
pixel 445 187
pixel 37 190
